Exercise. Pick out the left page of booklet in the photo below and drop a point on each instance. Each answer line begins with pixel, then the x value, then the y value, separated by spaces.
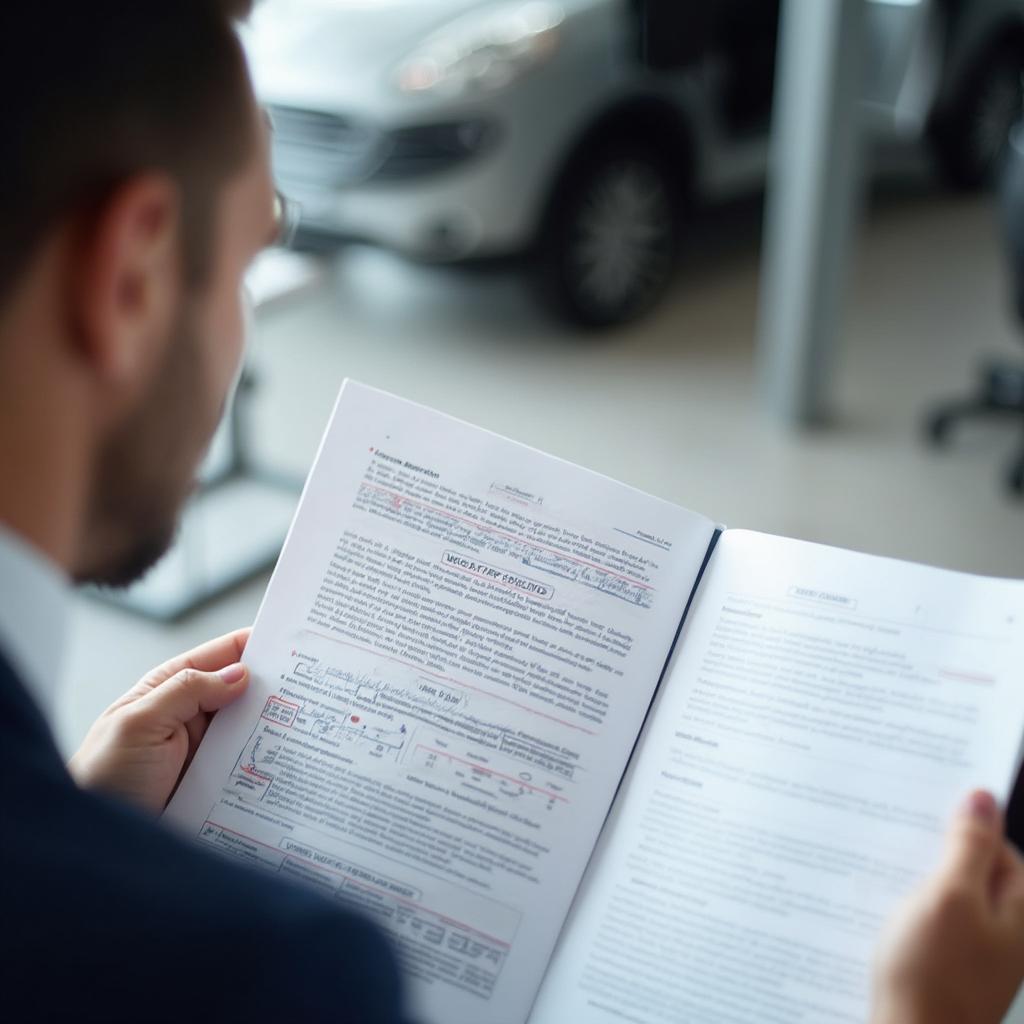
pixel 449 670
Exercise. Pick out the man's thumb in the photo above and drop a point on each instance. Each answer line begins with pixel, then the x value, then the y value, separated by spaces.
pixel 190 691
pixel 975 839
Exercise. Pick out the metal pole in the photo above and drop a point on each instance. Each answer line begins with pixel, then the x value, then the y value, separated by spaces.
pixel 813 197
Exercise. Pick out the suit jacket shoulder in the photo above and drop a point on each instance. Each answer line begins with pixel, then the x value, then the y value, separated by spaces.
pixel 108 916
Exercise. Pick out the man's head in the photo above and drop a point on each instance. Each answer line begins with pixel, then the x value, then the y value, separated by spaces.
pixel 134 191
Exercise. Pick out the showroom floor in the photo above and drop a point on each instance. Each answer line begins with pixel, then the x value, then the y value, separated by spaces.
pixel 668 406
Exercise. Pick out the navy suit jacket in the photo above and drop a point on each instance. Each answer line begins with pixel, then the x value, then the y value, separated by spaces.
pixel 105 915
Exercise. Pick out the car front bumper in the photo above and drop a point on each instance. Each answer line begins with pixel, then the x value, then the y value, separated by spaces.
pixel 412 196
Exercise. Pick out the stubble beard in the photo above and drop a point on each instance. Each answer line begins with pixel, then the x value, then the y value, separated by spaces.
pixel 146 470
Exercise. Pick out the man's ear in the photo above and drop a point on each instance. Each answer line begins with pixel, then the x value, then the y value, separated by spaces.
pixel 127 280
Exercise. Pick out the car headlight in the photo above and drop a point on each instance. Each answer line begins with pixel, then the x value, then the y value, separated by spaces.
pixel 483 51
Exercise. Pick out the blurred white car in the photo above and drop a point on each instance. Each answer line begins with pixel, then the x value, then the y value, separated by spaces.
pixel 574 131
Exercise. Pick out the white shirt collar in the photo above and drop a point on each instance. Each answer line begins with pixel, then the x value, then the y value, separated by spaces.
pixel 35 607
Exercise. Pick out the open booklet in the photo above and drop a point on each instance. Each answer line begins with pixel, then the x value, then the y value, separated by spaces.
pixel 466 642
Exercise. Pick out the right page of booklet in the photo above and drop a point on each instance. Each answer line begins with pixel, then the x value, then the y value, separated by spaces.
pixel 824 714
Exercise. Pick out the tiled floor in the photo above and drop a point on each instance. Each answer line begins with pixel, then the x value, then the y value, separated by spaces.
pixel 667 406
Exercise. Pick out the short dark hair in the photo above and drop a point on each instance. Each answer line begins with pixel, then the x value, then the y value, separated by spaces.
pixel 96 92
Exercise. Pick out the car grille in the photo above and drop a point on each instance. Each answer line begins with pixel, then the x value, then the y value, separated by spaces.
pixel 422 150
pixel 311 147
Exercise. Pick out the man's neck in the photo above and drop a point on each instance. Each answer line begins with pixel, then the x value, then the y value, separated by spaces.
pixel 44 465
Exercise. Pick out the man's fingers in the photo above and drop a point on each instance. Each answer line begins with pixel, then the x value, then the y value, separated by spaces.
pixel 208 657
pixel 179 699
pixel 975 842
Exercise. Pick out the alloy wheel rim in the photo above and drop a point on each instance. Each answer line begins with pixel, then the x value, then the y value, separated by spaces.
pixel 998 106
pixel 622 239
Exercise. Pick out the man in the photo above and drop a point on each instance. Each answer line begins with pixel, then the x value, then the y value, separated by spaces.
pixel 135 192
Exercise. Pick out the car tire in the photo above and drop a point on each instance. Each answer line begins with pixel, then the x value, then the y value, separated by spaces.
pixel 968 136
pixel 608 248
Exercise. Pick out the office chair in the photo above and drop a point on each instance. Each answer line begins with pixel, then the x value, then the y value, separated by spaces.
pixel 1001 388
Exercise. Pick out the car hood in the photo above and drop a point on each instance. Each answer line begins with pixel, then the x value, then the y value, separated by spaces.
pixel 322 51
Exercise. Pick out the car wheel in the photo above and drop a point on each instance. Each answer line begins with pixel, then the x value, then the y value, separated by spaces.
pixel 969 136
pixel 609 246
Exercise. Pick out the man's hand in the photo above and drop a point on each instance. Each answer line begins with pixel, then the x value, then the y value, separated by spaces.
pixel 956 954
pixel 139 747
